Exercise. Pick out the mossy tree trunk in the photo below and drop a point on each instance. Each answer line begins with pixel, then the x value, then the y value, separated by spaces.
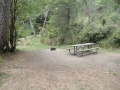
pixel 4 23
pixel 13 32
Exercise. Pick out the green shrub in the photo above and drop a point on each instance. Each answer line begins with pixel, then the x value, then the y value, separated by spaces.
pixel 116 37
pixel 114 17
pixel 107 43
pixel 84 34
pixel 103 22
pixel 112 41
pixel 43 36
pixel 91 34
pixel 22 33
pixel 52 32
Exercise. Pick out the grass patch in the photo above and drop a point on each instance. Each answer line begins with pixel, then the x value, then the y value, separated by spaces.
pixel 31 44
pixel 3 76
pixel 34 43
pixel 1 59
pixel 34 46
pixel 114 74
pixel 109 50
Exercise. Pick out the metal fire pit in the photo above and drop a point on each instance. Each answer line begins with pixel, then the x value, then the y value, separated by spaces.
pixel 52 49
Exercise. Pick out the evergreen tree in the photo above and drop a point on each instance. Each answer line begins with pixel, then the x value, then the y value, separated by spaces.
pixel 64 14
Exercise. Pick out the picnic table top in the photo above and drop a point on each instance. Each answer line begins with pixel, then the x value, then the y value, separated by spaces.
pixel 84 44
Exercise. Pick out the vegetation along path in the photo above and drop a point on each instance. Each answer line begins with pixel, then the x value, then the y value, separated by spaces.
pixel 58 70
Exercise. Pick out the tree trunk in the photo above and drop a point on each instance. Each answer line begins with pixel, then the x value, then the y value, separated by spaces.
pixel 32 27
pixel 4 22
pixel 46 15
pixel 7 49
pixel 13 36
pixel 68 24
pixel 13 31
pixel 68 18
pixel 117 1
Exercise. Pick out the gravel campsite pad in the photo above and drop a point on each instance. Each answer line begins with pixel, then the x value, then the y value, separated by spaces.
pixel 58 70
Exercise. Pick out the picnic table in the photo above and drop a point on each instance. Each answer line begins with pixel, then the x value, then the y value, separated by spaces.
pixel 85 47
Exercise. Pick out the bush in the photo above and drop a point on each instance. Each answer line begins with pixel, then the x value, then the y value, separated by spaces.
pixel 114 17
pixel 22 33
pixel 52 33
pixel 116 37
pixel 112 41
pixel 107 43
pixel 91 34
pixel 43 36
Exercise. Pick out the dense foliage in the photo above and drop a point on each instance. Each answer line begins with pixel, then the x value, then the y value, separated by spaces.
pixel 20 12
pixel 81 21
pixel 65 21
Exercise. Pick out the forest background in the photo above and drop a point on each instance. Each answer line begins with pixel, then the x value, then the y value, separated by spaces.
pixel 65 22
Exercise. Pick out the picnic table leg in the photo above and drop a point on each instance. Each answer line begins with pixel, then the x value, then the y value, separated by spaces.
pixel 82 51
pixel 74 50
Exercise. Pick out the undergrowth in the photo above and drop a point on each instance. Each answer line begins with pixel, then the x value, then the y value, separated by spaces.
pixel 34 43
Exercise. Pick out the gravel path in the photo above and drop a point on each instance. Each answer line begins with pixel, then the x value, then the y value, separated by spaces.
pixel 58 70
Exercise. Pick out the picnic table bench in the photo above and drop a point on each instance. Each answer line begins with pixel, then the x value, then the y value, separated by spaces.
pixel 83 48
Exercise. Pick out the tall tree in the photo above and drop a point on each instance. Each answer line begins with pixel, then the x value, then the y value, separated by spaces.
pixel 64 13
pixel 20 10
pixel 4 22
pixel 13 33
pixel 45 15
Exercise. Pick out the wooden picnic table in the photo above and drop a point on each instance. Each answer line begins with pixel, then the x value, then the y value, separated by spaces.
pixel 84 47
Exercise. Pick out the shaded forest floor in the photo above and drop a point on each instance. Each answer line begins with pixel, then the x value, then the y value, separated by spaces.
pixel 58 70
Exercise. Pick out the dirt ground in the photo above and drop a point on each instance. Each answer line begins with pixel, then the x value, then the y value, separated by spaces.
pixel 58 70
